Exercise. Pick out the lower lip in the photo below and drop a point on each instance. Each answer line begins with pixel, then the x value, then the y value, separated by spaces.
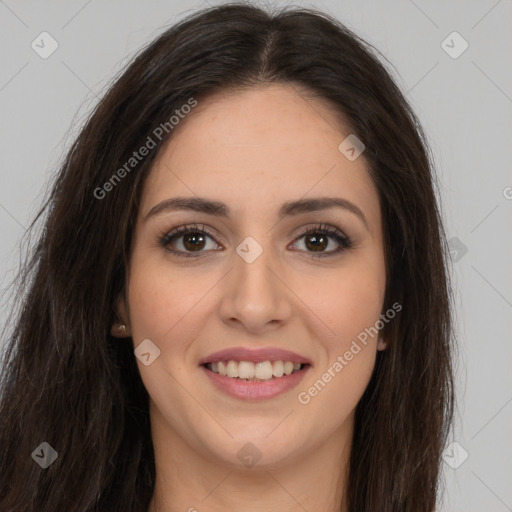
pixel 249 390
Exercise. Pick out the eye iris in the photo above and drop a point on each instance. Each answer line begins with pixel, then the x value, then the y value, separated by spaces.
pixel 193 238
pixel 315 239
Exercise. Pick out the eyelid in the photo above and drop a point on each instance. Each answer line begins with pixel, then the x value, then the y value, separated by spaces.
pixel 177 232
pixel 332 232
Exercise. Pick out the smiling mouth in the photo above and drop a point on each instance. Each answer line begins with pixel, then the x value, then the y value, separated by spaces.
pixel 255 372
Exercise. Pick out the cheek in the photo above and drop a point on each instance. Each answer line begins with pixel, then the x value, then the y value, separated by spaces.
pixel 348 302
pixel 163 301
pixel 350 306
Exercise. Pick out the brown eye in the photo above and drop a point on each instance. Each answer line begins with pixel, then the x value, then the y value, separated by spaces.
pixel 193 241
pixel 316 242
pixel 187 240
pixel 318 239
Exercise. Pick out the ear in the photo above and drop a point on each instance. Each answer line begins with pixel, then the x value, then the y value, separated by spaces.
pixel 381 344
pixel 121 328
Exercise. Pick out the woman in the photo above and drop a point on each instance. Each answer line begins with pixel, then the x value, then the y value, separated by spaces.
pixel 240 296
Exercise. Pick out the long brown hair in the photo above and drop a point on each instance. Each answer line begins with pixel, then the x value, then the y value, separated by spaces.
pixel 66 381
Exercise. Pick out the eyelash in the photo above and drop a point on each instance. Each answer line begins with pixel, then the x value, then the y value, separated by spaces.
pixel 344 241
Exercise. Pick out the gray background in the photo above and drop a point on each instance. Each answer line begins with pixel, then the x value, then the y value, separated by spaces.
pixel 464 103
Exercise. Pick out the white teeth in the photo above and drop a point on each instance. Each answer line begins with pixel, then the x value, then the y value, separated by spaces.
pixel 246 370
pixel 232 369
pixel 254 371
pixel 263 371
pixel 288 367
pixel 278 369
pixel 222 368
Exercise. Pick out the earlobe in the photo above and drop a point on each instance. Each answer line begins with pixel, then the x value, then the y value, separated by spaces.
pixel 381 344
pixel 121 329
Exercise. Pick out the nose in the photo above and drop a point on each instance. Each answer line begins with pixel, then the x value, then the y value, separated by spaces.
pixel 255 296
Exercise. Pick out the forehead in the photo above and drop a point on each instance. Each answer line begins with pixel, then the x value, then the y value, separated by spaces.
pixel 259 147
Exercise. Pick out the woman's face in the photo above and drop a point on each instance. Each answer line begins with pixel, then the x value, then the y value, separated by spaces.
pixel 256 282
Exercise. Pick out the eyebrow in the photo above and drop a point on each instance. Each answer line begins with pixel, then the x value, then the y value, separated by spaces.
pixel 289 208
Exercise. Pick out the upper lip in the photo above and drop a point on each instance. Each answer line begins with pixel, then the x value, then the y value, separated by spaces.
pixel 254 355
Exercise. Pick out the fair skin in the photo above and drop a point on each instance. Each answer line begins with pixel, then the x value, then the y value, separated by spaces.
pixel 253 151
